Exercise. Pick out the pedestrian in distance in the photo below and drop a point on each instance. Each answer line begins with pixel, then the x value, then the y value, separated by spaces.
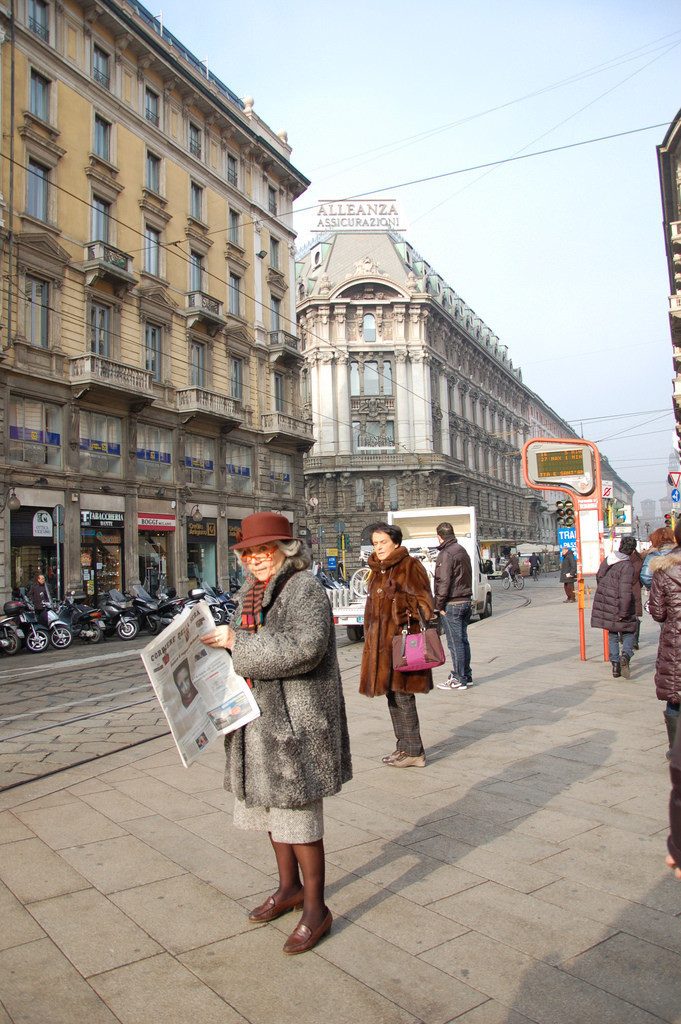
pixel 453 589
pixel 40 597
pixel 568 574
pixel 281 765
pixel 398 594
pixel 664 605
pixel 614 607
pixel 535 563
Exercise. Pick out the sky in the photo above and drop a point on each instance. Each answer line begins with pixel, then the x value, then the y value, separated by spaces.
pixel 561 254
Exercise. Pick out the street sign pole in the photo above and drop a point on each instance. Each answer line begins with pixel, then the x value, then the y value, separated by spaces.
pixel 573 466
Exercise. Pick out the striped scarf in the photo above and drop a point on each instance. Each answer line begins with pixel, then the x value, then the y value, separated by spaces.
pixel 251 613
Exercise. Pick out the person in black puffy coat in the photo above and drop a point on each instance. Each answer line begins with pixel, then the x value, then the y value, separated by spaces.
pixel 664 605
pixel 614 607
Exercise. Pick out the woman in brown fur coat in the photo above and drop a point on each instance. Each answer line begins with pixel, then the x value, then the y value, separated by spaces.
pixel 398 587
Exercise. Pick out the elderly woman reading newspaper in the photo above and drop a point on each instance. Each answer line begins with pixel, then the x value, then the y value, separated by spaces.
pixel 281 766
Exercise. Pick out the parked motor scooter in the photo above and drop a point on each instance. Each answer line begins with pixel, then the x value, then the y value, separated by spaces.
pixel 155 615
pixel 84 622
pixel 221 606
pixel 10 635
pixel 119 616
pixel 35 637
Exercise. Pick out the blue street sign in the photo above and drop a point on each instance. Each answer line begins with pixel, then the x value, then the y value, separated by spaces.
pixel 676 495
pixel 333 563
pixel 567 538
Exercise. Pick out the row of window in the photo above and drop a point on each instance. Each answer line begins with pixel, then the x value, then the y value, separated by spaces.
pixel 38 22
pixel 101 342
pixel 36 438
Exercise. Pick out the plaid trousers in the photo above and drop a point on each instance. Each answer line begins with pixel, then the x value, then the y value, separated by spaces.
pixel 405 721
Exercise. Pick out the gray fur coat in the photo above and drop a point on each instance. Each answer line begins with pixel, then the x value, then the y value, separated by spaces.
pixel 299 749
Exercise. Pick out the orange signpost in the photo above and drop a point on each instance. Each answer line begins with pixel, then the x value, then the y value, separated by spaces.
pixel 573 466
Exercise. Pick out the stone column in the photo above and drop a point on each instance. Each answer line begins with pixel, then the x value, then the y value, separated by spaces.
pixel 343 410
pixel 326 404
pixel 403 403
pixel 446 447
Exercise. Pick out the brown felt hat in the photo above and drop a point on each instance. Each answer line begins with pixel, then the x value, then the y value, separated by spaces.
pixel 260 528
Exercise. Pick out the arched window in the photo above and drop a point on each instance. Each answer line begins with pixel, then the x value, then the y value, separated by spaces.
pixel 369 327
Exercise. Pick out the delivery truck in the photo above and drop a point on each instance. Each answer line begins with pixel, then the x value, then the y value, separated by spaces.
pixel 419 536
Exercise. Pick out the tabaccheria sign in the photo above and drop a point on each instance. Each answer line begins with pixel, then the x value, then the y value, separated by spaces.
pixel 359 215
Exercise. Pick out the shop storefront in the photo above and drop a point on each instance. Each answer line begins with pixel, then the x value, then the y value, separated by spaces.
pixel 156 568
pixel 101 552
pixel 202 552
pixel 33 547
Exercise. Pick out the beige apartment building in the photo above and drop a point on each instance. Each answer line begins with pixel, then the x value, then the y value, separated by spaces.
pixel 150 369
pixel 415 401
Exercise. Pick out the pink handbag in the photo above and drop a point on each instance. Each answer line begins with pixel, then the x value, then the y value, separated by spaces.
pixel 417 652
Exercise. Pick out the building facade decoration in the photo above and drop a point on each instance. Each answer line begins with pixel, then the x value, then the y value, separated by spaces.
pixel 415 401
pixel 150 367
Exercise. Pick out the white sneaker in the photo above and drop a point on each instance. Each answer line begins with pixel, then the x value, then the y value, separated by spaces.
pixel 446 684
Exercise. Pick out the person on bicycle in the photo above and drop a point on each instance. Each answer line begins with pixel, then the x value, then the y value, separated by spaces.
pixel 513 566
pixel 535 562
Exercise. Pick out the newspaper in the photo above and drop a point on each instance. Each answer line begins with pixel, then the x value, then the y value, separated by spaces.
pixel 200 693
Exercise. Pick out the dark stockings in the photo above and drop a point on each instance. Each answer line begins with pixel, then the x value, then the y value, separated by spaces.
pixel 308 859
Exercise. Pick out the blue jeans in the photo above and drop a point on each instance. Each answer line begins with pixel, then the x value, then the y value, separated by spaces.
pixel 456 619
pixel 628 640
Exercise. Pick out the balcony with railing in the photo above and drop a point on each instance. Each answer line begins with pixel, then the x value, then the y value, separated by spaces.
pixel 279 427
pixel 39 28
pixel 102 376
pixel 102 77
pixel 284 348
pixel 202 308
pixel 194 402
pixel 103 261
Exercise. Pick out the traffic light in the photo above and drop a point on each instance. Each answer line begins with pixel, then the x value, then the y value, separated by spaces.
pixel 565 512
pixel 669 520
pixel 620 511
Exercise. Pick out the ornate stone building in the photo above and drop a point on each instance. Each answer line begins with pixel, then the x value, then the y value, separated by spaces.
pixel 149 373
pixel 414 400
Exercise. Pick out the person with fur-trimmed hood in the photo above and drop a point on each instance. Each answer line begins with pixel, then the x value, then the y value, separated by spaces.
pixel 614 606
pixel 664 605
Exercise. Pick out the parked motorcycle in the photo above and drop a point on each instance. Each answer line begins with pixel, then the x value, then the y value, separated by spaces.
pixel 84 622
pixel 118 615
pixel 155 615
pixel 10 635
pixel 221 605
pixel 35 637
pixel 58 630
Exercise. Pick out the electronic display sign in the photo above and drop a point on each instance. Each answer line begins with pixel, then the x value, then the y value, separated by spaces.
pixel 563 464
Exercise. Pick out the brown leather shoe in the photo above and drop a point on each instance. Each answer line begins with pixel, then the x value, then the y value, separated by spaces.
pixel 270 911
pixel 408 761
pixel 301 938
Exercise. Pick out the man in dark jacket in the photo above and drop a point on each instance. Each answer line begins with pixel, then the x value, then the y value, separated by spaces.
pixel 568 574
pixel 40 598
pixel 614 607
pixel 453 590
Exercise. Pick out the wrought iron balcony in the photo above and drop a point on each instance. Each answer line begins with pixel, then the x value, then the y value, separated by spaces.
pixel 277 426
pixel 104 261
pixel 92 372
pixel 193 402
pixel 284 348
pixel 200 307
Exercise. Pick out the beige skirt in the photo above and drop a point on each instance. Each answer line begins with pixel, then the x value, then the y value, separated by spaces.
pixel 286 825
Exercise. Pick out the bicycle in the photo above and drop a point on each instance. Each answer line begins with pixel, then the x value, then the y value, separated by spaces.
pixel 535 572
pixel 359 582
pixel 517 580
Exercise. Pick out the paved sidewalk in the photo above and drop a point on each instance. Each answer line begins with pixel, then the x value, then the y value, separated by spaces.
pixel 519 877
